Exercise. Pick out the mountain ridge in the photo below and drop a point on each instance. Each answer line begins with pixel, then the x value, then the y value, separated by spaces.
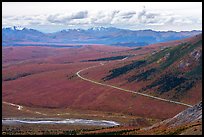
pixel 97 28
pixel 96 35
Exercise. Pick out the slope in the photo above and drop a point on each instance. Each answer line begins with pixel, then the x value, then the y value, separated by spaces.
pixel 172 72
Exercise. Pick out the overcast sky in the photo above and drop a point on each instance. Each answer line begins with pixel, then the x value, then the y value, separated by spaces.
pixel 53 16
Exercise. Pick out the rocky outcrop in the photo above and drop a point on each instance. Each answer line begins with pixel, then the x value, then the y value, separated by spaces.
pixel 187 116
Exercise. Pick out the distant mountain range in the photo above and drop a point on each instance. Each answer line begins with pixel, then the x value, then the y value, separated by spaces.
pixel 98 35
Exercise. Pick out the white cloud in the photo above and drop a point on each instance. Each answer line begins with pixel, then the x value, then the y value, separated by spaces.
pixel 158 16
pixel 66 18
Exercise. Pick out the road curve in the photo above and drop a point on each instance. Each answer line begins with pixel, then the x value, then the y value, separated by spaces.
pixel 21 108
pixel 126 90
pixel 15 105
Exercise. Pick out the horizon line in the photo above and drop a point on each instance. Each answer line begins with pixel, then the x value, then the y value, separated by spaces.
pixel 102 27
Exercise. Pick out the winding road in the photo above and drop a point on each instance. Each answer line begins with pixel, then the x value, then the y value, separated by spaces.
pixel 15 105
pixel 122 89
pixel 21 108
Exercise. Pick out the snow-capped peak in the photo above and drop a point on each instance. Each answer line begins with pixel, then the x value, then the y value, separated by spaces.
pixel 14 28
pixel 18 28
pixel 98 28
pixel 78 29
pixel 72 30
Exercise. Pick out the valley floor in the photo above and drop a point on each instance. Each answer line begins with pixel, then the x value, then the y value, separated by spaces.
pixel 57 83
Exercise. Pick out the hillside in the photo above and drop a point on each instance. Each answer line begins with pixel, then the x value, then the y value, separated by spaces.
pixel 50 79
pixel 172 72
pixel 187 122
pixel 45 80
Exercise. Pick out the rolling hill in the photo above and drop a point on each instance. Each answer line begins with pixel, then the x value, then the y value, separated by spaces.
pixel 45 80
pixel 172 72
pixel 187 122
pixel 50 79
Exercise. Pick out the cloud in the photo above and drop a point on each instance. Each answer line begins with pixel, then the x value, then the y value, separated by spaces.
pixel 127 15
pixel 149 17
pixel 65 18
pixel 35 22
pixel 79 15
pixel 139 19
pixel 102 18
pixel 56 18
pixel 24 20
